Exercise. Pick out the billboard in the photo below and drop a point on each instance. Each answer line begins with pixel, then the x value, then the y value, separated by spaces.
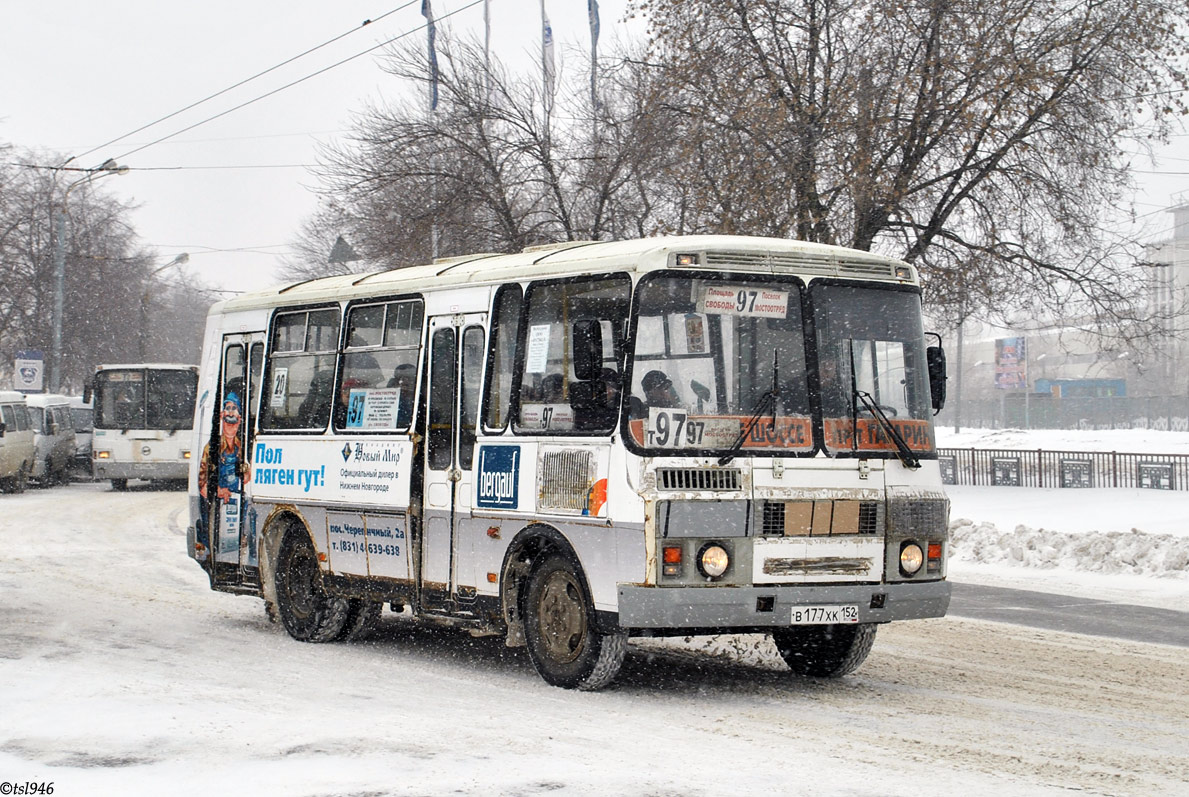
pixel 1011 363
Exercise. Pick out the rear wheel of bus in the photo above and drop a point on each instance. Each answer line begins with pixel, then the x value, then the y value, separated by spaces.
pixel 566 648
pixel 307 612
pixel 824 651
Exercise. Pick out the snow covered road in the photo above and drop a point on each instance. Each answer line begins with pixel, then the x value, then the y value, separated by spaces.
pixel 121 673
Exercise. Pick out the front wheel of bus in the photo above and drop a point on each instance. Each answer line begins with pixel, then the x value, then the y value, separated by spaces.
pixel 565 647
pixel 824 651
pixel 307 612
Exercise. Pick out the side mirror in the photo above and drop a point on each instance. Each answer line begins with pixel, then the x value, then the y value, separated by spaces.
pixel 3 428
pixel 88 390
pixel 587 345
pixel 935 358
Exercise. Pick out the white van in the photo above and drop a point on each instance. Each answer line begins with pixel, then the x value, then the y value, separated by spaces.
pixel 53 437
pixel 16 441
pixel 83 416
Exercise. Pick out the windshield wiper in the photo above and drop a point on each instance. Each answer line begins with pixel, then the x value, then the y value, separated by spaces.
pixel 902 450
pixel 769 397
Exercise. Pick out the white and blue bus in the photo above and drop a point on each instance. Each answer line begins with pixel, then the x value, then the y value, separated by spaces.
pixel 142 416
pixel 580 444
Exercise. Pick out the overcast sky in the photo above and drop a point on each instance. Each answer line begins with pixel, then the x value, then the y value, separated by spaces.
pixel 232 193
pixel 75 74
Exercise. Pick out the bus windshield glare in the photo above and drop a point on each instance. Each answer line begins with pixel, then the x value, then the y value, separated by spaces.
pixel 722 366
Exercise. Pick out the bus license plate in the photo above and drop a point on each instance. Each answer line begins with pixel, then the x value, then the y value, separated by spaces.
pixel 823 615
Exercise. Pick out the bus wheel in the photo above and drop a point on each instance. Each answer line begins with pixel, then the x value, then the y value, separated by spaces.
pixel 564 645
pixel 119 485
pixel 825 651
pixel 307 612
pixel 362 617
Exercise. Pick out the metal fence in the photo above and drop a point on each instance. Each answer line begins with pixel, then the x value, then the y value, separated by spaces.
pixel 1073 469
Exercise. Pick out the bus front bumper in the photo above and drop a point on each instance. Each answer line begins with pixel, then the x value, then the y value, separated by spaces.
pixel 726 607
pixel 104 469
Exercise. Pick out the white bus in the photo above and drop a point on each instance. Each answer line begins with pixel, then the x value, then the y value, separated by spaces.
pixel 579 444
pixel 142 421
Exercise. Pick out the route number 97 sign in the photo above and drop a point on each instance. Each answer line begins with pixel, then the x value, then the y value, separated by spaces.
pixel 745 300
pixel 676 428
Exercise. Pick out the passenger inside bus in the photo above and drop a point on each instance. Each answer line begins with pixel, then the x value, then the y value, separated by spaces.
pixel 313 409
pixel 404 378
pixel 659 390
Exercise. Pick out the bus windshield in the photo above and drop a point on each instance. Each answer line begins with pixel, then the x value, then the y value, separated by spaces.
pixel 720 364
pixel 153 398
pixel 871 357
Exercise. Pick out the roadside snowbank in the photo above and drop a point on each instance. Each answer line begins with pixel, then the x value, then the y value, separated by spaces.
pixel 1124 545
pixel 1110 553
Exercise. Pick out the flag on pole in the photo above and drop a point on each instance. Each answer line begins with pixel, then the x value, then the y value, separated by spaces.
pixel 431 29
pixel 592 11
pixel 547 57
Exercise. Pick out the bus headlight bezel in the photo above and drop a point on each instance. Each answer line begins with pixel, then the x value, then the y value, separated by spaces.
pixel 714 560
pixel 912 558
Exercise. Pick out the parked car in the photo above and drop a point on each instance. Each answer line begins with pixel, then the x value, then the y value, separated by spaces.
pixel 53 437
pixel 16 441
pixel 83 416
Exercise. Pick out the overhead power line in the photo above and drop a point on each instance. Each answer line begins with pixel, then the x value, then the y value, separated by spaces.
pixel 245 81
pixel 293 83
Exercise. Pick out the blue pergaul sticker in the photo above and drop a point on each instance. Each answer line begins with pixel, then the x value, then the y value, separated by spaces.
pixel 499 477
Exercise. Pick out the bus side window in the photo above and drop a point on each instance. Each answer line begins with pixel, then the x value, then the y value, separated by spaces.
pixel 379 366
pixel 551 394
pixel 301 365
pixel 505 323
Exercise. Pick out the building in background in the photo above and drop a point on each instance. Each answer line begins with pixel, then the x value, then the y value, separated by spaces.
pixel 1062 375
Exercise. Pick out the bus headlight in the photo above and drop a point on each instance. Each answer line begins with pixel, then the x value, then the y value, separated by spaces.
pixel 102 455
pixel 911 558
pixel 713 560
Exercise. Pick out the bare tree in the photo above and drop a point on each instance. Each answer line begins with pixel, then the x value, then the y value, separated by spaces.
pixel 481 172
pixel 106 273
pixel 952 133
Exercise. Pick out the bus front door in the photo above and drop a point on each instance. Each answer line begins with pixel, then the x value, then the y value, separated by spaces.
pixel 456 354
pixel 226 466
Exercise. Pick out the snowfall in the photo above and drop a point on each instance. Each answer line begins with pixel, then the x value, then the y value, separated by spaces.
pixel 122 673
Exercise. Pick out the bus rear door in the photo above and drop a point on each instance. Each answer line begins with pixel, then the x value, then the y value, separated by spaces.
pixel 456 355
pixel 226 467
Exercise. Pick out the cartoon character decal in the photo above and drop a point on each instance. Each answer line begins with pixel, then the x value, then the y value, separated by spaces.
pixel 232 470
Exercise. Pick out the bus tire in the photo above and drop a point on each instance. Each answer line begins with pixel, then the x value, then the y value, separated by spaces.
pixel 119 485
pixel 362 617
pixel 307 612
pixel 563 643
pixel 824 651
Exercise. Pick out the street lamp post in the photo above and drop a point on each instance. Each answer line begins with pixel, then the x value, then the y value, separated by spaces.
pixel 108 167
pixel 180 260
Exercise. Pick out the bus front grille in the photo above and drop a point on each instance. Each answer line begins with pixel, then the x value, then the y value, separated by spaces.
pixel 697 478
pixel 820 518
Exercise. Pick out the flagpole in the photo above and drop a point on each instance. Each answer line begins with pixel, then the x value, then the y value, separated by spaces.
pixel 546 73
pixel 431 35
pixel 592 12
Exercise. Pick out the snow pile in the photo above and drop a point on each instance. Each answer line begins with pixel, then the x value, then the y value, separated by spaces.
pixel 1108 553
